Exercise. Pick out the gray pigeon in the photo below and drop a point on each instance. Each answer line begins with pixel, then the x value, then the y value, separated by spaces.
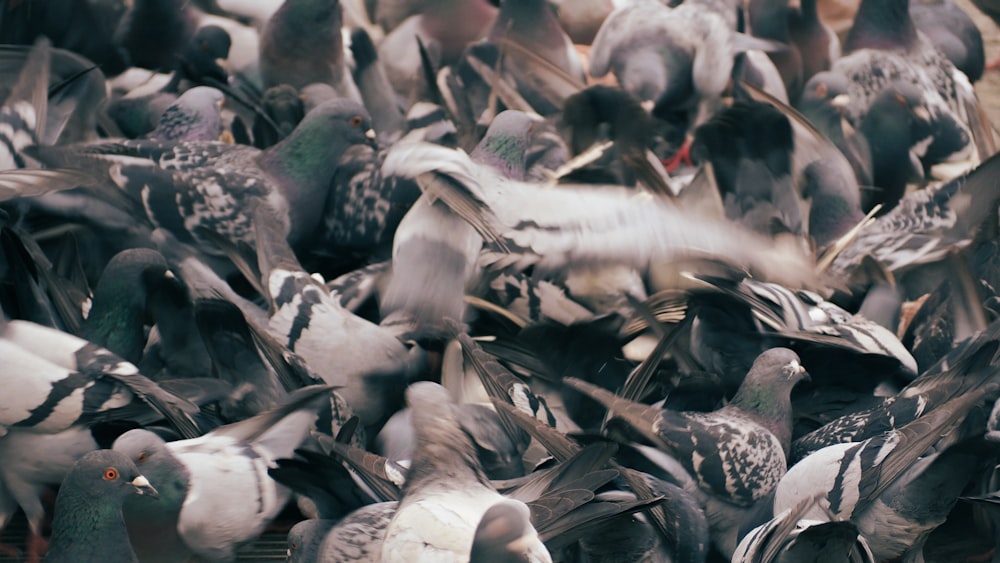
pixel 368 362
pixel 195 116
pixel 787 538
pixel 677 58
pixel 446 493
pixel 88 523
pixel 896 487
pixel 357 537
pixel 735 454
pixel 216 495
pixel 302 44
pixel 189 186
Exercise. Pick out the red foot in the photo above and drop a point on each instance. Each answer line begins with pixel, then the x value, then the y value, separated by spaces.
pixel 682 156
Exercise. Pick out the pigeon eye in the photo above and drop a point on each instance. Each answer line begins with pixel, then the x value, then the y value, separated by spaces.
pixel 901 100
pixel 356 121
pixel 141 457
pixel 821 89
pixel 110 474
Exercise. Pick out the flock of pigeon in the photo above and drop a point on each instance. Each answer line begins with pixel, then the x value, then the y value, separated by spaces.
pixel 515 281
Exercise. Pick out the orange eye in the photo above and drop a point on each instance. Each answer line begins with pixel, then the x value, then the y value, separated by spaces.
pixel 356 121
pixel 110 474
pixel 141 457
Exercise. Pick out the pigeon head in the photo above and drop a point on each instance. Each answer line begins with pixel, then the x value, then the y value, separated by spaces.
pixel 442 446
pixel 824 96
pixel 149 453
pixel 119 312
pixel 777 366
pixel 200 58
pixel 505 143
pixel 765 394
pixel 503 533
pixel 106 473
pixel 195 116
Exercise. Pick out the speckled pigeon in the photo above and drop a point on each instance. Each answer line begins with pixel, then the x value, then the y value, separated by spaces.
pixel 735 454
pixel 189 186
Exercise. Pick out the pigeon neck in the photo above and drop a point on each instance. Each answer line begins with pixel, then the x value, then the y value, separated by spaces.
pixel 881 24
pixel 117 321
pixel 91 529
pixel 769 19
pixel 304 170
pixel 769 407
pixel 443 453
pixel 503 152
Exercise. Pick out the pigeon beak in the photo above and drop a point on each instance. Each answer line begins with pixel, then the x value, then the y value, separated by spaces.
pixel 370 134
pixel 143 487
pixel 796 372
pixel 840 101
pixel 922 114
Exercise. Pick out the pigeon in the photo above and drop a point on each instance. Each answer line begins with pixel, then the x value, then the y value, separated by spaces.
pixel 817 329
pixel 195 116
pixel 678 58
pixel 189 186
pixel 817 43
pixel 537 53
pixel 823 102
pixel 283 109
pixel 788 539
pixel 445 27
pixel 199 62
pixel 750 148
pixel 893 126
pixel 88 523
pixel 291 40
pixel 957 373
pixel 925 225
pixel 152 32
pixel 736 454
pixel 501 533
pixel 632 129
pixel 356 537
pixel 377 92
pixel 215 495
pixel 305 539
pixel 85 29
pixel 953 32
pixel 770 19
pixel 446 493
pixel 117 316
pixel 884 46
pixel 369 363
pixel 63 380
pixel 886 485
